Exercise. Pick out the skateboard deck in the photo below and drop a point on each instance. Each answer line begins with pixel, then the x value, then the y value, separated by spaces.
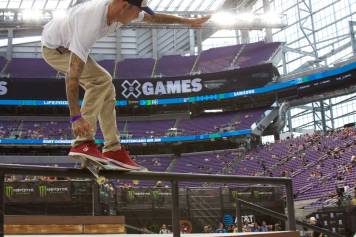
pixel 95 166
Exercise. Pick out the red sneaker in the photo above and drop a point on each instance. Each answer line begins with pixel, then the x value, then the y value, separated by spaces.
pixel 88 150
pixel 123 159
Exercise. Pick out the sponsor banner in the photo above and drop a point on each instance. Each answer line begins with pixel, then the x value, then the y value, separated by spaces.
pixel 157 197
pixel 253 194
pixel 30 192
pixel 20 192
pixel 135 140
pixel 151 88
pixel 310 84
pixel 54 191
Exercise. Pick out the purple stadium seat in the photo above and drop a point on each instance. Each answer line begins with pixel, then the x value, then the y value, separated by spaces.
pixel 256 53
pixel 109 65
pixel 135 68
pixel 155 128
pixel 175 65
pixel 217 59
pixel 2 62
pixel 29 68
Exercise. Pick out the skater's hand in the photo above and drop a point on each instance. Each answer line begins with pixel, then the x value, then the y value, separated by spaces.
pixel 82 128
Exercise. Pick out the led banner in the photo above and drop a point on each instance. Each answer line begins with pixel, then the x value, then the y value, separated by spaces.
pixel 303 86
pixel 29 192
pixel 150 88
pixel 135 140
pixel 253 194
pixel 144 197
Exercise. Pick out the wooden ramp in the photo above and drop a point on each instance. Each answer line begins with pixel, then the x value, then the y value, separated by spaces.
pixel 260 234
pixel 64 225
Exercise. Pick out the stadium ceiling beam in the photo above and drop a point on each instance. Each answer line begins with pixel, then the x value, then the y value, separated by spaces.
pixel 322 96
pixel 289 49
pixel 345 101
pixel 259 26
pixel 246 4
pixel 304 107
pixel 345 115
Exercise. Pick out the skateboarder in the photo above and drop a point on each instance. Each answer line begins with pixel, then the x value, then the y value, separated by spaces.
pixel 66 44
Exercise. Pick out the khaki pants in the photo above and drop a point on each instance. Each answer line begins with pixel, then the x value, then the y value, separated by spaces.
pixel 99 98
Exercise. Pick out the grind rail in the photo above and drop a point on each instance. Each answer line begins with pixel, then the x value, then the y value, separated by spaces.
pixel 174 178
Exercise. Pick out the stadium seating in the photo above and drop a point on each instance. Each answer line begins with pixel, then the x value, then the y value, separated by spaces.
pixel 208 61
pixel 308 159
pixel 7 128
pixel 2 63
pixel 315 162
pixel 174 65
pixel 256 53
pixel 45 130
pixel 156 128
pixel 109 65
pixel 210 123
pixel 217 59
pixel 29 68
pixel 135 68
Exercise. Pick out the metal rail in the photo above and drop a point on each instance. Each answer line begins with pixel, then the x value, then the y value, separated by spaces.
pixel 174 178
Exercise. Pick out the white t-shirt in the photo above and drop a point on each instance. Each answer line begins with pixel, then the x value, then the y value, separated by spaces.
pixel 80 28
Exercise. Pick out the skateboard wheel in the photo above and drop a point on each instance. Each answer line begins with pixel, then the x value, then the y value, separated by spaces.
pixel 84 164
pixel 100 180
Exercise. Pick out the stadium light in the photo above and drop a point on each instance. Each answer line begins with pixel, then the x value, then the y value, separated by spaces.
pixel 224 18
pixel 213 110
pixel 59 13
pixel 245 17
pixel 272 18
pixel 249 19
pixel 31 15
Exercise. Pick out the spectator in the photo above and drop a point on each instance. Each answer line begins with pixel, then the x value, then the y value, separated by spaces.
pixel 207 229
pixel 354 198
pixel 256 227
pixel 313 221
pixel 264 227
pixel 221 228
pixel 164 229
pixel 353 160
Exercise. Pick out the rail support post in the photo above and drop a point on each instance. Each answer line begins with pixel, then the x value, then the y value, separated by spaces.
pixel 291 224
pixel 2 204
pixel 175 209
pixel 238 215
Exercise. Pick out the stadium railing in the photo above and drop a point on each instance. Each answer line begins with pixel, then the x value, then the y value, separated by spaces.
pixel 174 178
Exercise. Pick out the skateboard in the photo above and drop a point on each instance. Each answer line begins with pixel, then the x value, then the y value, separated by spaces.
pixel 95 166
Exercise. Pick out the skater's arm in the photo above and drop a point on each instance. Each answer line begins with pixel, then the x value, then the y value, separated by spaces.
pixel 80 126
pixel 159 18
pixel 75 69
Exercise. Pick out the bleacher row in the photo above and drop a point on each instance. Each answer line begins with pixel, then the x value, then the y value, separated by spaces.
pixel 136 129
pixel 316 163
pixel 208 61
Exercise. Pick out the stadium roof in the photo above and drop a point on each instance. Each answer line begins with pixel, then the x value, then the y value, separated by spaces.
pixel 158 5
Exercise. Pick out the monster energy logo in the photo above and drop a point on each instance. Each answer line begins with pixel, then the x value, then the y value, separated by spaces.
pixel 235 194
pixel 11 191
pixel 131 195
pixel 256 194
pixel 156 194
pixel 43 191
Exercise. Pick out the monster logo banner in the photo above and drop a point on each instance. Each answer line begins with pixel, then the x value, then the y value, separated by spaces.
pixel 253 193
pixel 19 192
pixel 31 192
pixel 54 191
